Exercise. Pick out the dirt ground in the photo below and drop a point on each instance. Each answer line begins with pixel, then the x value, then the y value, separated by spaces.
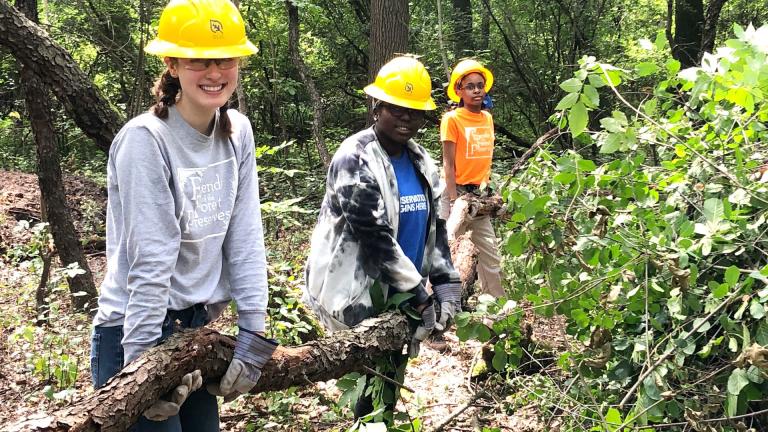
pixel 441 381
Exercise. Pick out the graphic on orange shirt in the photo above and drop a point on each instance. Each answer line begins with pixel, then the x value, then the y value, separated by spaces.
pixel 479 142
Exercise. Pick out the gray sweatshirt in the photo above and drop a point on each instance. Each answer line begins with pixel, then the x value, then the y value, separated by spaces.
pixel 183 227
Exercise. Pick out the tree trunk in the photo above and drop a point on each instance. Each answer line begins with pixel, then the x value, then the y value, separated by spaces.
pixel 389 35
pixel 689 25
pixel 49 176
pixel 136 102
pixel 34 49
pixel 484 32
pixel 298 63
pixel 118 405
pixel 709 34
pixel 462 28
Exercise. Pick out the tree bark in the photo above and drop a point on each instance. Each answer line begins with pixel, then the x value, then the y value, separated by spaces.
pixel 484 32
pixel 298 63
pixel 34 49
pixel 712 17
pixel 118 405
pixel 389 35
pixel 462 28
pixel 49 176
pixel 689 25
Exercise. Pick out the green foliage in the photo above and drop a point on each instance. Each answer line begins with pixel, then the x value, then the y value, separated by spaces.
pixel 504 332
pixel 653 249
pixel 288 321
pixel 51 349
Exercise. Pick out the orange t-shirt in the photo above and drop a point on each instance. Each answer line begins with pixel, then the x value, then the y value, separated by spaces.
pixel 474 136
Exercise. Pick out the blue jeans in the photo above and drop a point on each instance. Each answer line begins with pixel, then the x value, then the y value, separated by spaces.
pixel 199 413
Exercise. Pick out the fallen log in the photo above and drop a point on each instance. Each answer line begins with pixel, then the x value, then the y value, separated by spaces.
pixel 116 406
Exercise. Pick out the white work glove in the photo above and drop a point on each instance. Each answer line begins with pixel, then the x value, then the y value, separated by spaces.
pixel 163 409
pixel 423 330
pixel 252 351
pixel 449 298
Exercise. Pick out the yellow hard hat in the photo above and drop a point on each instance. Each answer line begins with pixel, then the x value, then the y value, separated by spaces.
pixel 405 82
pixel 464 68
pixel 201 29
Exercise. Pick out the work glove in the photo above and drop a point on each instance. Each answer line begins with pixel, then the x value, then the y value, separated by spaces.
pixel 252 351
pixel 164 409
pixel 448 296
pixel 423 330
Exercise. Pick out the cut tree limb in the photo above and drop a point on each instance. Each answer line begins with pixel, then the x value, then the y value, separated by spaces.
pixel 119 404
pixel 463 251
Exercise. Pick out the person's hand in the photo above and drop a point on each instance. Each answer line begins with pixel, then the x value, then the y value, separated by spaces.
pixel 449 298
pixel 252 351
pixel 164 409
pixel 424 329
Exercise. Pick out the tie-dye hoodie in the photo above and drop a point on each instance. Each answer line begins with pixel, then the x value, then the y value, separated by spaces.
pixel 355 240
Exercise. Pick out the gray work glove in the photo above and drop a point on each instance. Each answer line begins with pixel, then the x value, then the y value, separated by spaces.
pixel 448 296
pixel 164 409
pixel 252 351
pixel 423 330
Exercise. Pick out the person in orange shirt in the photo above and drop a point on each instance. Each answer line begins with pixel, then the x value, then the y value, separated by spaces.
pixel 467 136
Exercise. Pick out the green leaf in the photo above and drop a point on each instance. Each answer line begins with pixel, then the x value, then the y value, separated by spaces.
pixel 590 93
pixel 499 360
pixel 650 387
pixel 613 418
pixel 646 68
pixel 737 381
pixel 572 85
pixel 612 125
pixel 732 275
pixel 565 178
pixel 596 81
pixel 612 143
pixel 577 119
pixel 586 165
pixel 567 101
pixel 720 290
pixel 462 318
pixel 756 309
pixel 713 210
pixel 673 66
pixel 517 243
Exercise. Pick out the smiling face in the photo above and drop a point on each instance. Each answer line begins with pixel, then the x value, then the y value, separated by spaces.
pixel 471 90
pixel 206 84
pixel 397 124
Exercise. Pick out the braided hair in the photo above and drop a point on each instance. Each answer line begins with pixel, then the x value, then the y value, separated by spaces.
pixel 166 90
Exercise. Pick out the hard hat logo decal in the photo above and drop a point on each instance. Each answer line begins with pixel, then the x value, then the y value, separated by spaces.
pixel 409 87
pixel 216 26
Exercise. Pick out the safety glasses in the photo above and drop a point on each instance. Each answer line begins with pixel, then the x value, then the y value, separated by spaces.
pixel 199 65
pixel 472 87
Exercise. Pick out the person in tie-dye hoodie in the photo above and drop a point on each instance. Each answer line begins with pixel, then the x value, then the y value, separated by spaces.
pixel 378 224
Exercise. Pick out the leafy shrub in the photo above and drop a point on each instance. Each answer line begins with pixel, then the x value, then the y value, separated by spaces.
pixel 650 236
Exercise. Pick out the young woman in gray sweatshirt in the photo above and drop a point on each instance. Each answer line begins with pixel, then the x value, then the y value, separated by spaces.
pixel 184 232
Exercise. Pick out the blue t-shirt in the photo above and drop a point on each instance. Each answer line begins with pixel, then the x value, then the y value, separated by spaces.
pixel 414 211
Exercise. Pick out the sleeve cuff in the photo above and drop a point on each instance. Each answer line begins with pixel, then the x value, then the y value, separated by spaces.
pixel 253 348
pixel 448 292
pixel 252 320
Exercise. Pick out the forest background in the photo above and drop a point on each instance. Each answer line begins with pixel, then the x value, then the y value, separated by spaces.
pixel 630 153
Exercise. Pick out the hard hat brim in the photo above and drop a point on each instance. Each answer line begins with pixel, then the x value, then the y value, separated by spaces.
pixel 478 69
pixel 375 92
pixel 168 49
